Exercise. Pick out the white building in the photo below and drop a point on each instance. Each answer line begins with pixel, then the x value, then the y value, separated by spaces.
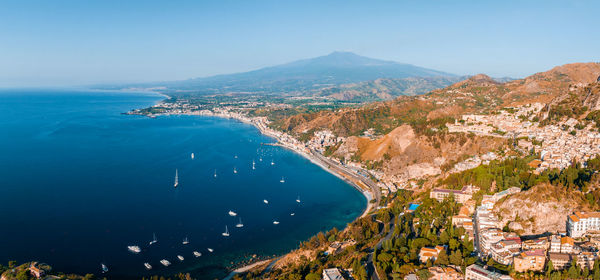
pixel 580 223
pixel 332 274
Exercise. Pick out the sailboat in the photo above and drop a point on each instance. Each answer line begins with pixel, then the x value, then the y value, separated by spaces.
pixel 234 171
pixel 272 162
pixel 197 254
pixel 226 233
pixel 148 266
pixel 260 159
pixel 154 240
pixel 282 180
pixel 239 225
pixel 185 241
pixel 298 199
pixel 215 174
pixel 104 268
pixel 253 165
pixel 176 179
pixel 192 155
pixel 210 250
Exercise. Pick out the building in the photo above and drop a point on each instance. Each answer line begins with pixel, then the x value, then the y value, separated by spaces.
pixel 530 261
pixel 579 223
pixel 555 244
pixel 503 251
pixel 534 244
pixel 332 274
pixel 475 272
pixel 444 273
pixel 586 259
pixel 461 196
pixel 560 261
pixel 567 245
pixel 429 253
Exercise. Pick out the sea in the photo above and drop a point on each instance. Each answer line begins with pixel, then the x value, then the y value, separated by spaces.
pixel 80 182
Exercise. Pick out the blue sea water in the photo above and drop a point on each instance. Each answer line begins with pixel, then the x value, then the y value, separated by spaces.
pixel 79 182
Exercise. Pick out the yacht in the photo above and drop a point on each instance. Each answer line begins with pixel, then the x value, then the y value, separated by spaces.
pixel 176 179
pixel 265 201
pixel 232 214
pixel 253 165
pixel 196 254
pixel 272 162
pixel 210 250
pixel 235 156
pixel 154 240
pixel 180 257
pixel 226 233
pixel 148 266
pixel 298 199
pixel 104 268
pixel 239 225
pixel 185 241
pixel 234 171
pixel 134 249
pixel 215 174
pixel 192 156
pixel 260 159
pixel 275 222
pixel 165 262
pixel 292 214
pixel 282 180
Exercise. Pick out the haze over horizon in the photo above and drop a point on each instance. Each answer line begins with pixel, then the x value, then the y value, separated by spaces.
pixel 65 43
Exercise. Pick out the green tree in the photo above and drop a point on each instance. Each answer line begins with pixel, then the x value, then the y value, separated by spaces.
pixel 312 276
pixel 442 258
pixel 456 258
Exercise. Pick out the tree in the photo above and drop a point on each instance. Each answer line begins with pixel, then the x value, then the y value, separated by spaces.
pixel 549 268
pixel 423 274
pixel 442 258
pixel 312 276
pixel 456 258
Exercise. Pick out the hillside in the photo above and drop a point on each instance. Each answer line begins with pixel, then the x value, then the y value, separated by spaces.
pixel 298 77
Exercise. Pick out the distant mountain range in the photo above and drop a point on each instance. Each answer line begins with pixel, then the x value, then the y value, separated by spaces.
pixel 310 77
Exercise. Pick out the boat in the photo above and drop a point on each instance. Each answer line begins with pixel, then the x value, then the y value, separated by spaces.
pixel 185 241
pixel 192 156
pixel 148 266
pixel 134 249
pixel 298 199
pixel 234 171
pixel 275 222
pixel 253 165
pixel 235 156
pixel 282 180
pixel 165 262
pixel 197 254
pixel 272 162
pixel 180 257
pixel 210 250
pixel 104 268
pixel 232 214
pixel 239 225
pixel 260 159
pixel 215 174
pixel 226 233
pixel 292 214
pixel 265 201
pixel 154 240
pixel 176 179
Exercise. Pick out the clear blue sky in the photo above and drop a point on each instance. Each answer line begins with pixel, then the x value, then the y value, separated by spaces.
pixel 81 42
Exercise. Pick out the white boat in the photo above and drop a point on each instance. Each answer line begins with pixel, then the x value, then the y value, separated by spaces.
pixel 272 162
pixel 275 222
pixel 215 174
pixel 260 159
pixel 134 249
pixel 239 225
pixel 265 201
pixel 292 214
pixel 282 180
pixel 180 257
pixel 234 171
pixel 192 156
pixel 253 165
pixel 185 241
pixel 232 214
pixel 298 199
pixel 235 156
pixel 176 179
pixel 165 262
pixel 226 233
pixel 154 240
pixel 197 254
pixel 210 250
pixel 104 268
pixel 148 266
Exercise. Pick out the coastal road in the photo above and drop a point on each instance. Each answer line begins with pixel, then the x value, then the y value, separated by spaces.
pixel 336 166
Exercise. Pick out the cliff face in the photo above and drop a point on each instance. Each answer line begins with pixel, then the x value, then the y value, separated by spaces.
pixel 543 208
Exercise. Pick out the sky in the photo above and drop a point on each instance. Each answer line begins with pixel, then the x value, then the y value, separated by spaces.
pixel 61 43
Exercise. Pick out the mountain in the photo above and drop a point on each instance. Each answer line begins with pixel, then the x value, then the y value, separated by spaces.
pixel 301 76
